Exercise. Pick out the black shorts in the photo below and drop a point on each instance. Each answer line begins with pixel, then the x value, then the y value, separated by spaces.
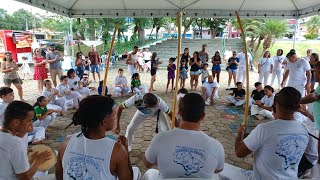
pixel 153 72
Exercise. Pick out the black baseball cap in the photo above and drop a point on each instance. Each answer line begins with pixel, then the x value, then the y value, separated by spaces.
pixel 52 45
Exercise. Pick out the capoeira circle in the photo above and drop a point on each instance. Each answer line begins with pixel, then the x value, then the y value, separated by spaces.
pixel 148 105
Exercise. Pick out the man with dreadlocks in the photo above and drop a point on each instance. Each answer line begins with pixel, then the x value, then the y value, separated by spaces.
pixel 90 154
pixel 148 105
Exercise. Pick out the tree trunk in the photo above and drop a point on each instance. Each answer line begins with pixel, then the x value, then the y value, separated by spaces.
pixel 79 49
pixel 169 29
pixel 157 32
pixel 252 42
pixel 258 45
pixel 141 35
pixel 186 26
pixel 151 33
pixel 214 32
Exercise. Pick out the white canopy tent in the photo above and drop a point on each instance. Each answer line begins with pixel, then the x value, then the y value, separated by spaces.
pixel 289 9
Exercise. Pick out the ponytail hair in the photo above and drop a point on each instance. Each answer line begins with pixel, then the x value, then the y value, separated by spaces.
pixel 269 88
pixel 92 111
pixel 39 99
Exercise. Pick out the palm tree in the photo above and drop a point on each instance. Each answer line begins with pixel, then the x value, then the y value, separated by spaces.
pixel 139 25
pixel 252 28
pixel 313 25
pixel 273 29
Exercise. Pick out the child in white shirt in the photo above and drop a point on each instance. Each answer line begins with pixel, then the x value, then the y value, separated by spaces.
pixel 65 91
pixel 204 73
pixel 55 99
pixel 25 69
pixel 263 109
pixel 75 83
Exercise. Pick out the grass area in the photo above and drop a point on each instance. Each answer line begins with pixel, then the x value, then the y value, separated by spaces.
pixel 300 47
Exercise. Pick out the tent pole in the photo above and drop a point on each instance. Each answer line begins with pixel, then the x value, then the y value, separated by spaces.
pixel 296 29
pixel 108 60
pixel 179 15
pixel 71 40
pixel 246 112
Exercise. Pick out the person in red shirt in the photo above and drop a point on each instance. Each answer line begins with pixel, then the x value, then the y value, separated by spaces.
pixel 95 62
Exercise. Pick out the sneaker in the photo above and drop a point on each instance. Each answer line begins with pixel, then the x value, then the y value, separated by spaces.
pixel 228 88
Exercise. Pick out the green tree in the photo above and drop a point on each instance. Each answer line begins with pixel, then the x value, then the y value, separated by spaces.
pixel 313 25
pixel 186 23
pixel 140 24
pixel 252 27
pixel 22 17
pixel 6 20
pixel 215 25
pixel 158 23
pixel 273 29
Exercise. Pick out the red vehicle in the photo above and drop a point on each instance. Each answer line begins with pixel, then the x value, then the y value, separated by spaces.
pixel 16 42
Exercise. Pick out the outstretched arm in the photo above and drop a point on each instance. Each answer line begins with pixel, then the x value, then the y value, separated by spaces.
pixel 310 98
pixel 118 115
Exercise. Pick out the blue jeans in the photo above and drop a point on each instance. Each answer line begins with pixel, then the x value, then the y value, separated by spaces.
pixel 95 68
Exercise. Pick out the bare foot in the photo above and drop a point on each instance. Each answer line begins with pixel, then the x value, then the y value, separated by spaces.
pixel 21 99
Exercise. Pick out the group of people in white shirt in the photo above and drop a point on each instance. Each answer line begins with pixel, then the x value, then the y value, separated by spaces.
pixel 298 70
pixel 183 152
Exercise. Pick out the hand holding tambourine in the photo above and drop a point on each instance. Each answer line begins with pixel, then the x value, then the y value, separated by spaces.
pixel 44 156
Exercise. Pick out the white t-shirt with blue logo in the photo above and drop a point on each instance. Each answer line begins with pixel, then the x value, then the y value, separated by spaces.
pixel 181 153
pixel 278 147
pixel 297 72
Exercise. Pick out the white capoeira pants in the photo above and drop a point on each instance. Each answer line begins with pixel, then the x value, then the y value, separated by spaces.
pixel 38 133
pixel 209 92
pixel 44 122
pixel 84 91
pixel 122 90
pixel 58 104
pixel 251 101
pixel 139 118
pixel 279 75
pixel 237 102
pixel 74 97
pixel 264 76
pixel 255 110
pixel 141 89
pixel 241 76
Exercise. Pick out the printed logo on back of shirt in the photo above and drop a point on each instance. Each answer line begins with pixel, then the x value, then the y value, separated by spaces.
pixel 192 160
pixel 291 148
pixel 83 167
